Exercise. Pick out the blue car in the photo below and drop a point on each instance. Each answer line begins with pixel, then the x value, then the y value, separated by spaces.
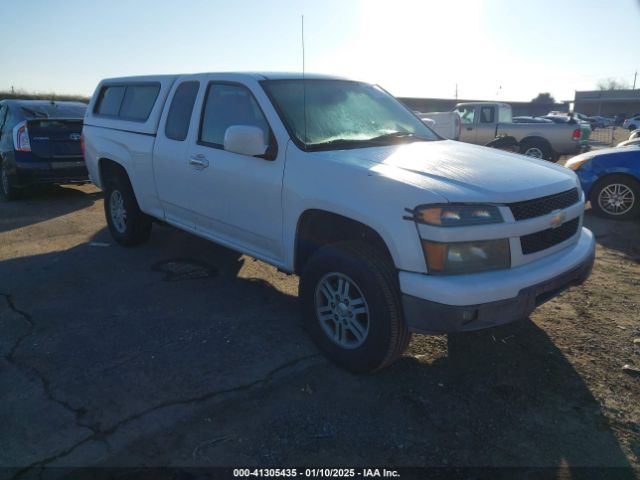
pixel 610 179
pixel 40 143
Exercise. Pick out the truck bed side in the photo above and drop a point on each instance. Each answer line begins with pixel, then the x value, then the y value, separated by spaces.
pixel 125 141
pixel 559 136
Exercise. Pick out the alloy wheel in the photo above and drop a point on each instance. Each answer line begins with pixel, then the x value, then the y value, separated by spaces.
pixel 616 199
pixel 342 310
pixel 118 211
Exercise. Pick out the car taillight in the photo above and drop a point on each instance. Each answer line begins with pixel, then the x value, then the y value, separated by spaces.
pixel 82 144
pixel 21 138
pixel 576 134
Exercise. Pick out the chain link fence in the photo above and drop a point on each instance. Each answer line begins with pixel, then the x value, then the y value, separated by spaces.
pixel 603 137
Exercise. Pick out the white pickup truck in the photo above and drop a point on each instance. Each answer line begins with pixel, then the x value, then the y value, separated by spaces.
pixel 392 229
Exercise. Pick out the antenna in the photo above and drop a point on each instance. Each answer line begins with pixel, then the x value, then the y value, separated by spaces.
pixel 304 90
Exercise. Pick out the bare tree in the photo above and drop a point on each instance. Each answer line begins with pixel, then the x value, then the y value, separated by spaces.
pixel 613 84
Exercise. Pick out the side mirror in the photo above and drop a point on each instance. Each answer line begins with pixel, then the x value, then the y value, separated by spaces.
pixel 245 140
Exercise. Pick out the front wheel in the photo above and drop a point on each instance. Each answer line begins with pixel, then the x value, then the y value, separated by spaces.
pixel 127 223
pixel 616 197
pixel 351 305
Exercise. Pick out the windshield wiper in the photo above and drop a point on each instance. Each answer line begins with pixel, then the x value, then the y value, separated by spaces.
pixel 337 143
pixel 353 142
pixel 392 135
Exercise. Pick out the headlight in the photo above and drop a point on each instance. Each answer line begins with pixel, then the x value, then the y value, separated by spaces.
pixel 576 162
pixel 467 257
pixel 457 215
pixel 574 165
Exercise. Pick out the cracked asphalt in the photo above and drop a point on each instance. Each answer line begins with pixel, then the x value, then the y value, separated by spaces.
pixel 181 353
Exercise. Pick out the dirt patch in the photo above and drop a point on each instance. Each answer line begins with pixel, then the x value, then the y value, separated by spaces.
pixel 107 364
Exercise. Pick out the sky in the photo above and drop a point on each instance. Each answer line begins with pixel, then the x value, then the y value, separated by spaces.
pixel 490 49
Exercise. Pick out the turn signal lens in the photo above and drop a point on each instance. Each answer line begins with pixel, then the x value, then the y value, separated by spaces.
pixel 576 164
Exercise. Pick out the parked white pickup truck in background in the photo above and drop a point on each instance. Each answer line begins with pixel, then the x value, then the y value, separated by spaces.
pixel 484 121
pixel 391 229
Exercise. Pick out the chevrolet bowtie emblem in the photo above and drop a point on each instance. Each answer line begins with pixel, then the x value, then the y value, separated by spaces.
pixel 558 219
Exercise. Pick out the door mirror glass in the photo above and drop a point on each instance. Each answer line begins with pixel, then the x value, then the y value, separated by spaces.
pixel 245 140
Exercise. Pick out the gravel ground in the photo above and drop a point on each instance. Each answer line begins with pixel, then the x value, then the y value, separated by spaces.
pixel 182 353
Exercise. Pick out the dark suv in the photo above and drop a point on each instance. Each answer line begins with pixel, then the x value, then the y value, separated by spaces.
pixel 40 142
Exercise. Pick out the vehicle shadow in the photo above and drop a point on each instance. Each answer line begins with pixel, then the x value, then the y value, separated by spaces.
pixel 44 202
pixel 133 340
pixel 619 235
pixel 502 403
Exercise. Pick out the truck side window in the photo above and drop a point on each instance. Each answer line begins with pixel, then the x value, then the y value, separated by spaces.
pixel 128 102
pixel 180 111
pixel 487 115
pixel 109 100
pixel 138 102
pixel 227 105
pixel 466 114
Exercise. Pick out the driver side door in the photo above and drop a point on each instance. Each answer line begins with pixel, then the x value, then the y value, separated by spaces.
pixel 468 132
pixel 236 199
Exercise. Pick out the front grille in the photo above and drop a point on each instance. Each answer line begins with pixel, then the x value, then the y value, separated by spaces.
pixel 543 205
pixel 538 241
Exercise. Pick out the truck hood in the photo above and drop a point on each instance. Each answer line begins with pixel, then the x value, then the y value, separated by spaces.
pixel 462 172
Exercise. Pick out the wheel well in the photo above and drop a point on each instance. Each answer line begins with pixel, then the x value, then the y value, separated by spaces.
pixel 531 140
pixel 109 169
pixel 317 228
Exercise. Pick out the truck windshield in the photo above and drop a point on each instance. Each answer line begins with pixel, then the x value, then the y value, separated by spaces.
pixel 339 114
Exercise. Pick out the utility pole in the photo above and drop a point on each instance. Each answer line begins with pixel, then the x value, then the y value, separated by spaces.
pixel 634 79
pixel 456 92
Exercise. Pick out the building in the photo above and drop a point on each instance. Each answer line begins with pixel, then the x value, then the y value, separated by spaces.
pixel 607 102
pixel 447 104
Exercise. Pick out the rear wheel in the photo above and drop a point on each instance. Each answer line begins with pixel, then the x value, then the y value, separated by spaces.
pixel 7 184
pixel 536 149
pixel 351 305
pixel 127 223
pixel 617 197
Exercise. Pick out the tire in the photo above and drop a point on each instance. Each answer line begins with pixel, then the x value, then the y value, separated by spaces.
pixel 374 310
pixel 536 149
pixel 612 189
pixel 127 223
pixel 7 185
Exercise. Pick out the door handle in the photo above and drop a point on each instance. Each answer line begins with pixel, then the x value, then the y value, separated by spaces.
pixel 198 161
pixel 469 128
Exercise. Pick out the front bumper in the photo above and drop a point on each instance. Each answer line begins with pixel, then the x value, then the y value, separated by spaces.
pixel 527 287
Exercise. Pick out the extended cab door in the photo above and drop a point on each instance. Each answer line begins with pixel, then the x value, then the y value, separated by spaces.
pixel 173 175
pixel 232 198
pixel 468 131
pixel 486 124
